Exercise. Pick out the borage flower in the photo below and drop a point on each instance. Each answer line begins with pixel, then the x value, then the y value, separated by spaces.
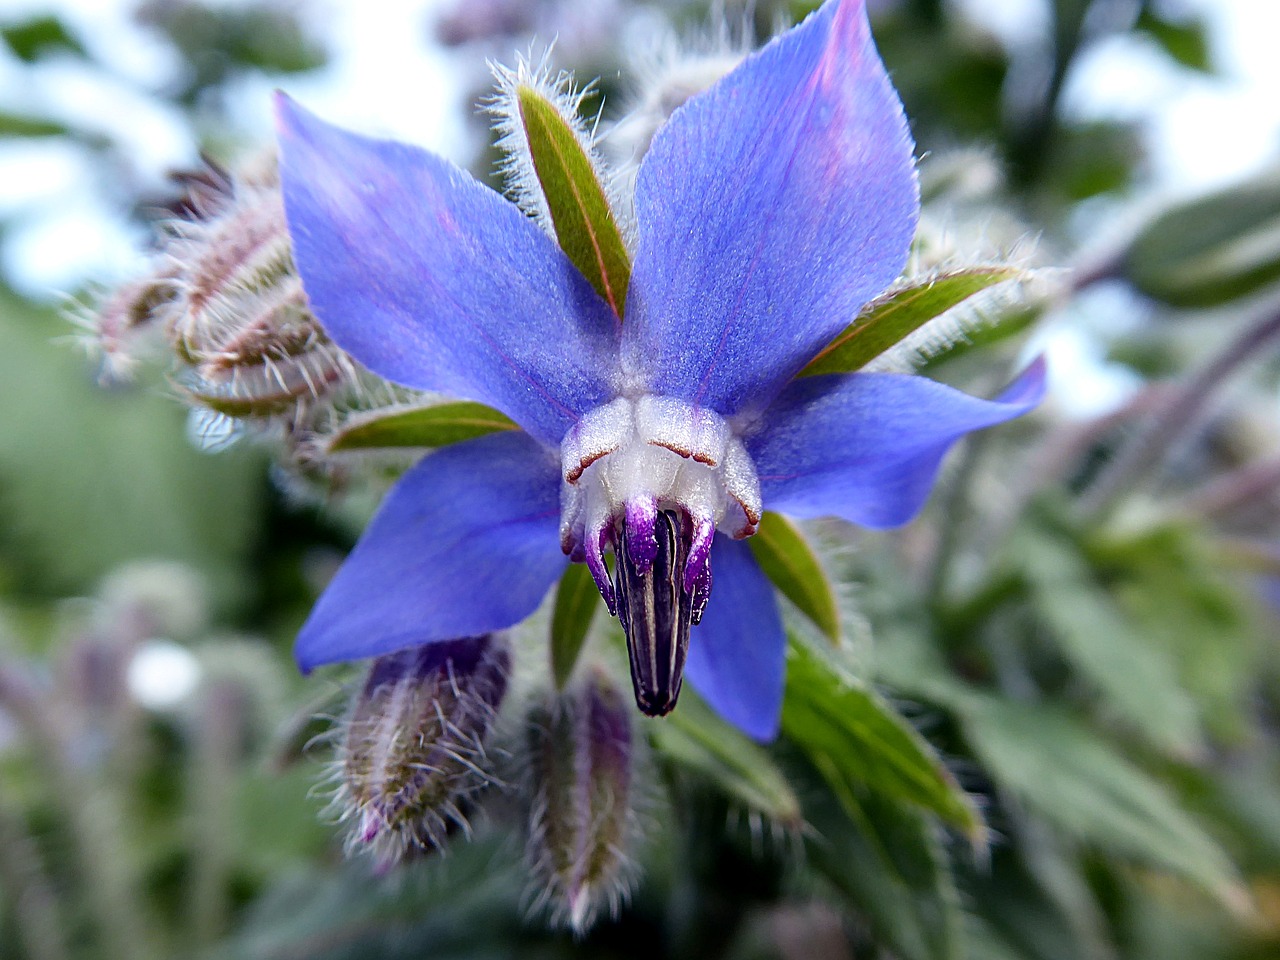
pixel 768 210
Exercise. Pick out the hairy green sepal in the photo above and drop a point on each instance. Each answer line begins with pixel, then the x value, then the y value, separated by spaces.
pixel 432 426
pixel 856 739
pixel 579 209
pixel 576 601
pixel 787 559
pixel 893 317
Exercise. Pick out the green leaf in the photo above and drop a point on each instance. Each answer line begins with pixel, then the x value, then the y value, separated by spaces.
pixel 580 212
pixel 695 738
pixel 1212 250
pixel 34 38
pixel 896 315
pixel 888 861
pixel 855 738
pixel 431 426
pixel 576 602
pixel 1186 42
pixel 465 906
pixel 1170 583
pixel 788 560
pixel 1064 772
pixel 1137 678
pixel 18 125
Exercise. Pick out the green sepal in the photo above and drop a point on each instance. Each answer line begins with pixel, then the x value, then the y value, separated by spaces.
pixel 431 426
pixel 893 317
pixel 856 739
pixel 576 601
pixel 695 738
pixel 787 559
pixel 580 213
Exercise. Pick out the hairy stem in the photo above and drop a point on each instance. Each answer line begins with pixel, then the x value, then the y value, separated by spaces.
pixel 94 821
pixel 35 905
pixel 1168 424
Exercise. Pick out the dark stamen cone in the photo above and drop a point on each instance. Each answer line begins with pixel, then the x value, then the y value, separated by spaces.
pixel 656 612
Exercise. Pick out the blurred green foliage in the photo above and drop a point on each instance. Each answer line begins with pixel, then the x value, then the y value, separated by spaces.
pixel 90 479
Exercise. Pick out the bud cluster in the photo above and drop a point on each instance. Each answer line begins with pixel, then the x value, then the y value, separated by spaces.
pixel 224 294
pixel 413 751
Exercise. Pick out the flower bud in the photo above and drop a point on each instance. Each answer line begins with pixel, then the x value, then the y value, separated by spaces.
pixel 240 319
pixel 227 298
pixel 581 821
pixel 120 323
pixel 413 748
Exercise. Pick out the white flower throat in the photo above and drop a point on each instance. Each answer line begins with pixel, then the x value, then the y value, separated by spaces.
pixel 654 478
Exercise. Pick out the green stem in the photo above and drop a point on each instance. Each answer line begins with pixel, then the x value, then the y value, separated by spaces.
pixel 94 821
pixel 35 906
pixel 214 760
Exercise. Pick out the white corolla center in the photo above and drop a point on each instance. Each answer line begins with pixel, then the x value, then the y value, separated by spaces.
pixel 630 459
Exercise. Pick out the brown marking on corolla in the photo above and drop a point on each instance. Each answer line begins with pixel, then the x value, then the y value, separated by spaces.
pixel 753 519
pixel 575 472
pixel 688 454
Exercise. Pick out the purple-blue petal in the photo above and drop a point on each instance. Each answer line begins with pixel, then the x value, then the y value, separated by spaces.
pixel 466 543
pixel 770 209
pixel 737 654
pixel 867 446
pixel 433 280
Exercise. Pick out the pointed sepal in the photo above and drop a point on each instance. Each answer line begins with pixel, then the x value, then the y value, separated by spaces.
pixel 434 425
pixel 855 738
pixel 577 600
pixel 893 317
pixel 551 169
pixel 787 559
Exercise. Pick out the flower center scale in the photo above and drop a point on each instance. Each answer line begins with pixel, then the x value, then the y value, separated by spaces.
pixel 653 478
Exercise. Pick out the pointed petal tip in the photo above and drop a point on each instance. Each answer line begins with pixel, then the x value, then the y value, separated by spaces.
pixel 762 732
pixel 286 111
pixel 1028 388
pixel 304 656
pixel 729 323
pixel 867 446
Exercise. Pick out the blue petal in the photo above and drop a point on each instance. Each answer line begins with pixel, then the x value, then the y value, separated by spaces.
pixel 466 543
pixel 867 446
pixel 737 654
pixel 769 208
pixel 434 281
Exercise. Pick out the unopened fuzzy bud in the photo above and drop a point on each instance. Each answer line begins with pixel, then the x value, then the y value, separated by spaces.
pixel 226 296
pixel 581 821
pixel 120 323
pixel 414 748
pixel 240 319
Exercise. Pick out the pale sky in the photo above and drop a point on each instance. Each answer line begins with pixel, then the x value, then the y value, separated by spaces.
pixel 386 79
